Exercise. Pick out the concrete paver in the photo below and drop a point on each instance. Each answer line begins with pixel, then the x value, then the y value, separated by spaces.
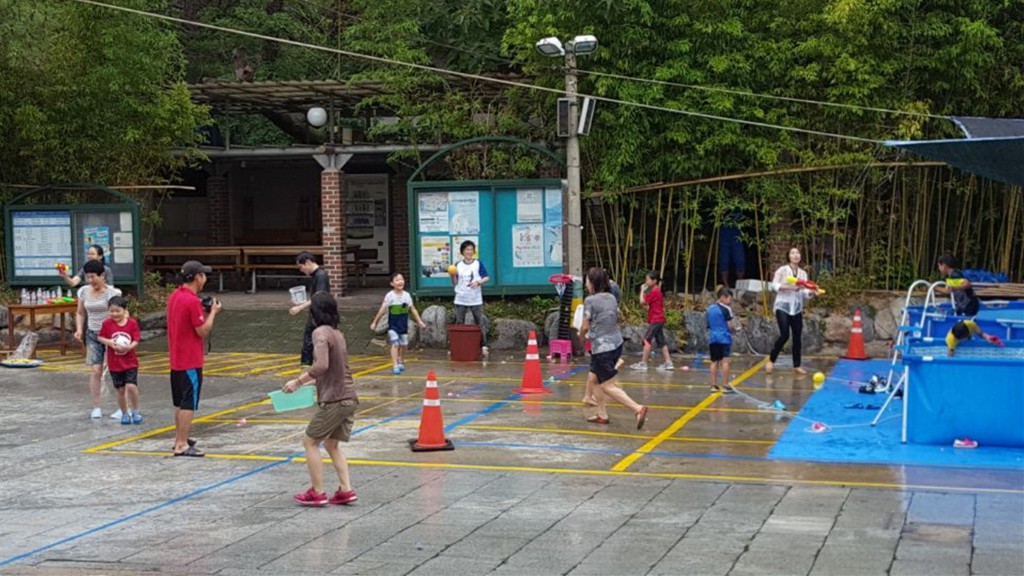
pixel 529 489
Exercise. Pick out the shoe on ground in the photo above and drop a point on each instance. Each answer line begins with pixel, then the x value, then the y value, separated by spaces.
pixel 136 417
pixel 641 418
pixel 311 498
pixel 728 389
pixel 641 366
pixel 965 443
pixel 713 388
pixel 126 419
pixel 598 420
pixel 768 367
pixel 342 497
pixel 116 415
pixel 96 413
pixel 666 367
pixel 396 370
pixel 485 351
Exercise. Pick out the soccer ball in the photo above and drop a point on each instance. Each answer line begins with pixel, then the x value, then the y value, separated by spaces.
pixel 122 340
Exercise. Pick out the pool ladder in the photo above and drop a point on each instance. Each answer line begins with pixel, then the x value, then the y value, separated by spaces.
pixel 895 357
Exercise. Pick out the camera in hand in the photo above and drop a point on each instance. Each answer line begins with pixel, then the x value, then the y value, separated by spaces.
pixel 207 303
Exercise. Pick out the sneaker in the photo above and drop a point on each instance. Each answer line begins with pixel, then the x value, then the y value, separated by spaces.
pixel 116 415
pixel 396 370
pixel 341 497
pixel 485 351
pixel 311 498
pixel 136 417
pixel 965 443
pixel 728 389
pixel 401 364
pixel 713 388
pixel 126 419
pixel 641 366
pixel 666 367
pixel 96 413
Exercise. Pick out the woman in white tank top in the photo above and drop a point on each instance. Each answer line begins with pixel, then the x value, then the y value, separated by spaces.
pixel 789 308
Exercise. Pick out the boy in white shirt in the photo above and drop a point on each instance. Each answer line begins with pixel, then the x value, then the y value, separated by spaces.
pixel 468 278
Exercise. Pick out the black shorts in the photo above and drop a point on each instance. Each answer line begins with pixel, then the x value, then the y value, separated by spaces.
pixel 129 376
pixel 186 386
pixel 720 351
pixel 655 335
pixel 603 364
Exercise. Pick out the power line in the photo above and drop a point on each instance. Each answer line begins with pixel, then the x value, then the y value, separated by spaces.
pixel 467 75
pixel 757 95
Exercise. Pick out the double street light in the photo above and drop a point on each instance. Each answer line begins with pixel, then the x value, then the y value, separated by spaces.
pixel 578 46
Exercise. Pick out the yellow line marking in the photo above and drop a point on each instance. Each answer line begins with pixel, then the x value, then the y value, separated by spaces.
pixel 668 432
pixel 610 434
pixel 576 404
pixel 265 363
pixel 540 470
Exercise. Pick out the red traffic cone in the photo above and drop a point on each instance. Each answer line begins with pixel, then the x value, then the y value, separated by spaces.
pixel 855 351
pixel 533 380
pixel 431 423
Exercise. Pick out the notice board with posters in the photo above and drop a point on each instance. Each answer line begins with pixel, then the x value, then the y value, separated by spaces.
pixel 41 236
pixel 517 227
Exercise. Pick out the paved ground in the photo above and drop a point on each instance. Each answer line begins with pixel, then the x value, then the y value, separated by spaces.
pixel 530 489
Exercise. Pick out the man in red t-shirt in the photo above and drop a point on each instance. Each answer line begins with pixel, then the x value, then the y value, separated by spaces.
pixel 187 324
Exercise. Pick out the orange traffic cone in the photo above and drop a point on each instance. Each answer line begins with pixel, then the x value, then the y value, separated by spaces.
pixel 855 351
pixel 533 380
pixel 431 423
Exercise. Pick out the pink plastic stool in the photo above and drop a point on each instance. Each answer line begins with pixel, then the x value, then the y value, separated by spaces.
pixel 561 347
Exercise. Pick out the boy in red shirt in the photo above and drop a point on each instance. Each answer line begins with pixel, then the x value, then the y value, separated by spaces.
pixel 120 334
pixel 652 298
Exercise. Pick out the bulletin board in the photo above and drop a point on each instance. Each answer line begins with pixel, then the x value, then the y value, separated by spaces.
pixel 516 225
pixel 40 236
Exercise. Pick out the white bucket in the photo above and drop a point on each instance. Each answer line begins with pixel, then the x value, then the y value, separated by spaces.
pixel 298 294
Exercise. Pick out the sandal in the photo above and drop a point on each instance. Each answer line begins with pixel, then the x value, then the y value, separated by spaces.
pixel 191 451
pixel 598 420
pixel 641 418
pixel 868 388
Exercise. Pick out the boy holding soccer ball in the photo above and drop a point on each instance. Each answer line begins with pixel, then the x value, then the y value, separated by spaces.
pixel 120 334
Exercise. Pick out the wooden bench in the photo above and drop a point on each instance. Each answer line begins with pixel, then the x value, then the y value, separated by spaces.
pixel 170 258
pixel 270 259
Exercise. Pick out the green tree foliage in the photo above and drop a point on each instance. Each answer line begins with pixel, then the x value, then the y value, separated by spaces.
pixel 91 95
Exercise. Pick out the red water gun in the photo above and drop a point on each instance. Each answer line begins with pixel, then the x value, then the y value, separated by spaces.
pixel 992 338
pixel 61 267
pixel 812 286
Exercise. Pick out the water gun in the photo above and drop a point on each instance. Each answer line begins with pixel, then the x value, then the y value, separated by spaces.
pixel 62 268
pixel 995 340
pixel 812 286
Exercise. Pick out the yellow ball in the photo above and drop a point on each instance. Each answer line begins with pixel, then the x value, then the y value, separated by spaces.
pixel 819 377
pixel 452 269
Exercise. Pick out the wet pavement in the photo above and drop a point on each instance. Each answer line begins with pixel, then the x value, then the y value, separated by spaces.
pixel 531 488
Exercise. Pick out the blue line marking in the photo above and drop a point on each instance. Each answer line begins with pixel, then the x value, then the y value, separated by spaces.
pixel 188 496
pixel 140 513
pixel 502 403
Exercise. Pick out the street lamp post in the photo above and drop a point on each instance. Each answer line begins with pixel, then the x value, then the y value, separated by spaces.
pixel 573 204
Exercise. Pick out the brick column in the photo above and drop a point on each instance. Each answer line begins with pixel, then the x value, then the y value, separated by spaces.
pixel 332 209
pixel 218 213
pixel 401 232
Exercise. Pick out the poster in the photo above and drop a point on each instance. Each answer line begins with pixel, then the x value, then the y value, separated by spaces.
pixel 126 221
pixel 435 256
pixel 464 212
pixel 553 243
pixel 40 240
pixel 529 205
pixel 98 235
pixel 124 255
pixel 433 212
pixel 458 240
pixel 122 240
pixel 553 205
pixel 527 246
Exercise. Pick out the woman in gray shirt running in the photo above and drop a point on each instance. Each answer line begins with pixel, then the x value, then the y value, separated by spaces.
pixel 601 327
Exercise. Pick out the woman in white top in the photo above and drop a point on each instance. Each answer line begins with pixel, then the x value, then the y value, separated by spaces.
pixel 92 311
pixel 789 308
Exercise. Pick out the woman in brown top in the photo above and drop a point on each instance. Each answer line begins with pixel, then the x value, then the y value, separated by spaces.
pixel 336 396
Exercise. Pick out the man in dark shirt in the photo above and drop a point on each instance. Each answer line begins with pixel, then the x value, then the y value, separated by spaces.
pixel 319 282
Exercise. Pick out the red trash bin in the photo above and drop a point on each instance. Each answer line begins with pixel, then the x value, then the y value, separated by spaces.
pixel 464 342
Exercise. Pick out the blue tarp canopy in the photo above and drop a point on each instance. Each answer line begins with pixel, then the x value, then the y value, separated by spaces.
pixel 994 148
